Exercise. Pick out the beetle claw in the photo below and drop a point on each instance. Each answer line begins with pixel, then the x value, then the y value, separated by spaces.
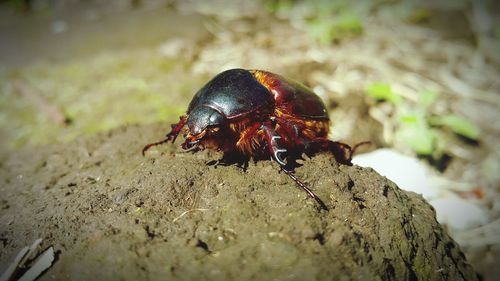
pixel 277 157
pixel 272 142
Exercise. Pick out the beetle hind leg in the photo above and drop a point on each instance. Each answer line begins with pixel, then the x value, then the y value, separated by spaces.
pixel 341 152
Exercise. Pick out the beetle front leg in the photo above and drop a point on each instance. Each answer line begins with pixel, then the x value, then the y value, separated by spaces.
pixel 244 143
pixel 176 129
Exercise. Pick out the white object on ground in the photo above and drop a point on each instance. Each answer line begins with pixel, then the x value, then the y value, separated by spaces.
pixel 31 251
pixel 13 266
pixel 43 262
pixel 412 175
pixel 405 171
pixel 459 213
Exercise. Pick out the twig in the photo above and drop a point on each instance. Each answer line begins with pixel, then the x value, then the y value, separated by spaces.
pixel 189 211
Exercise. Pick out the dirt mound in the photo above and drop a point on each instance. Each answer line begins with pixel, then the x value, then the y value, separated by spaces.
pixel 115 215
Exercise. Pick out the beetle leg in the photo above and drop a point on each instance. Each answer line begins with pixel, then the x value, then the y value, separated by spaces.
pixel 277 151
pixel 341 151
pixel 244 143
pixel 272 142
pixel 358 145
pixel 176 129
pixel 305 188
pixel 292 128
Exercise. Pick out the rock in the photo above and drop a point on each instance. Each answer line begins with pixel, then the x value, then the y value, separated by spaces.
pixel 176 218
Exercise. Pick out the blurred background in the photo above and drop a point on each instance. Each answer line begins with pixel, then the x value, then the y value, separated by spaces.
pixel 419 79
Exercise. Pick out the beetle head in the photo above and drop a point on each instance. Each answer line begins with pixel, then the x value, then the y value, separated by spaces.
pixel 201 121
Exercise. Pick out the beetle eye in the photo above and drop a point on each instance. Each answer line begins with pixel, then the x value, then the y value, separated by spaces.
pixel 214 129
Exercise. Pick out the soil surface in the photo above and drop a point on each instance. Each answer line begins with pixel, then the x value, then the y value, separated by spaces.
pixel 112 214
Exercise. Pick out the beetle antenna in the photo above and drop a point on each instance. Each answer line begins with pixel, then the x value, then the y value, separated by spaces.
pixel 148 146
pixel 305 188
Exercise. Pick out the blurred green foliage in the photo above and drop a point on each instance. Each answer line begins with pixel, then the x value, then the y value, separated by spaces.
pixel 325 21
pixel 275 6
pixel 16 4
pixel 427 98
pixel 332 29
pixel 417 126
pixel 419 16
pixel 415 132
pixel 457 124
pixel 383 91
pixel 94 95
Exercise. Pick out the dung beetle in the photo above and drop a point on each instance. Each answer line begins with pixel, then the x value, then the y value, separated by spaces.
pixel 256 113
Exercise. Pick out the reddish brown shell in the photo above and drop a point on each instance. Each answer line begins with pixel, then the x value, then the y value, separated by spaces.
pixel 292 98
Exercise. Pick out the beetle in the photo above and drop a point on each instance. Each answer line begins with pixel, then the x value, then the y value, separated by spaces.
pixel 256 113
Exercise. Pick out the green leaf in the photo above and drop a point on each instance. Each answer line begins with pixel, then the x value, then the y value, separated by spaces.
pixel 277 6
pixel 320 30
pixel 457 124
pixel 328 29
pixel 409 118
pixel 427 98
pixel 414 132
pixel 382 91
pixel 419 138
pixel 347 24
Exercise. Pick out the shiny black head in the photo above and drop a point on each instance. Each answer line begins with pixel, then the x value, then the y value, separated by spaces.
pixel 202 118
